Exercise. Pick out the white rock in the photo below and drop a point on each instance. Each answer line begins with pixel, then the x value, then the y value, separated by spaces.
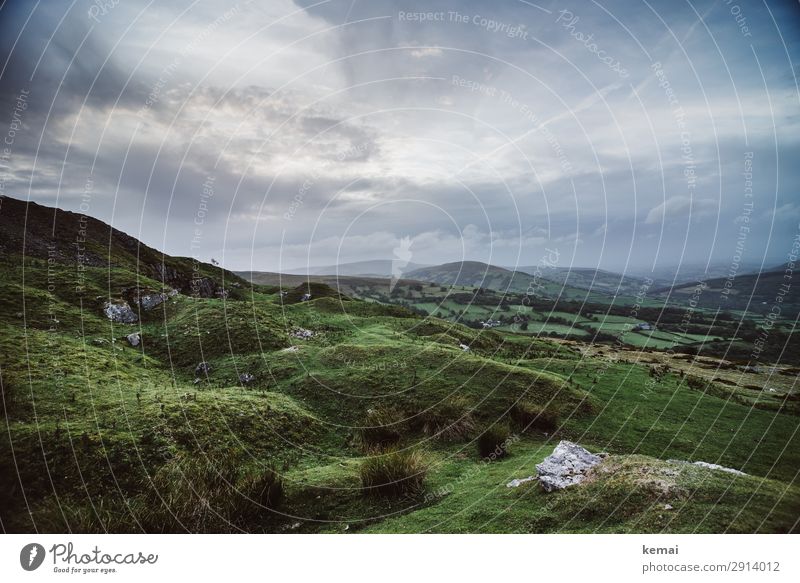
pixel 566 466
pixel 516 483
pixel 719 467
pixel 302 333
pixel 134 339
pixel 120 312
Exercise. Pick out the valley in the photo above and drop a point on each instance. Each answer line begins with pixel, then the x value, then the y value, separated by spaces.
pixel 207 402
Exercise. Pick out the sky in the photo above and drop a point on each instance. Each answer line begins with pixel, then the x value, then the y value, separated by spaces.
pixel 272 135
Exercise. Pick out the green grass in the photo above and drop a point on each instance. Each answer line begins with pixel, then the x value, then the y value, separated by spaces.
pixel 93 423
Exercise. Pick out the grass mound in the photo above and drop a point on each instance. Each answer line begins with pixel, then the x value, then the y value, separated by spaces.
pixel 449 420
pixel 527 415
pixel 311 291
pixel 494 442
pixel 383 428
pixel 395 473
pixel 193 494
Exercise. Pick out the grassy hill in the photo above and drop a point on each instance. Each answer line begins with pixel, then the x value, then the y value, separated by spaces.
pixel 754 292
pixel 253 409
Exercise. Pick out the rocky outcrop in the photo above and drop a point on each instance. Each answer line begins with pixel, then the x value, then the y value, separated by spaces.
pixel 709 466
pixel 566 466
pixel 302 333
pixel 120 312
pixel 150 301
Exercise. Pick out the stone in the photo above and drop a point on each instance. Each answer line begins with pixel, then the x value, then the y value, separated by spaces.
pixel 463 347
pixel 302 333
pixel 246 377
pixel 566 466
pixel 134 339
pixel 517 482
pixel 719 468
pixel 120 312
pixel 667 506
pixel 150 301
pixel 203 368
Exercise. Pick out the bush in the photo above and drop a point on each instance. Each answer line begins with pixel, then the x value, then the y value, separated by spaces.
pixel 200 495
pixel 395 473
pixel 449 420
pixel 531 416
pixel 493 442
pixel 382 429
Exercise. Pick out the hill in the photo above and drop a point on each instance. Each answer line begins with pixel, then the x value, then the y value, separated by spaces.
pixel 373 268
pixel 753 292
pixel 597 280
pixel 263 409
pixel 465 273
pixel 29 231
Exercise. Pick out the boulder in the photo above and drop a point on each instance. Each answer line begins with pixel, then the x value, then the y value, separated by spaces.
pixel 302 333
pixel 134 339
pixel 203 368
pixel 150 301
pixel 120 312
pixel 246 377
pixel 566 466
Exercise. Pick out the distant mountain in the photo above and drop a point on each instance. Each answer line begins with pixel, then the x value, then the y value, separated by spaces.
pixel 597 280
pixel 686 272
pixel 466 273
pixel 755 292
pixel 373 268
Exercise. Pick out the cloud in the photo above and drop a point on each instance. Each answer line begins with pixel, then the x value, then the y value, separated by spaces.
pixel 679 207
pixel 360 116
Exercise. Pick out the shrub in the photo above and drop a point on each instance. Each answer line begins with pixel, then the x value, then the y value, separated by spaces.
pixel 529 415
pixel 382 428
pixel 394 473
pixel 449 420
pixel 201 495
pixel 493 442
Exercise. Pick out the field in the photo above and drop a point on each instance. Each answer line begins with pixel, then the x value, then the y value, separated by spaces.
pixel 226 406
pixel 96 420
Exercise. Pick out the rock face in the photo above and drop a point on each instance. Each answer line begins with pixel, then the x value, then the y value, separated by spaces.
pixel 120 312
pixel 202 369
pixel 566 466
pixel 134 339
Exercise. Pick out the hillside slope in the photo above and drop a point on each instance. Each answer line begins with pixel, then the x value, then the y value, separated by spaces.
pixel 263 410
